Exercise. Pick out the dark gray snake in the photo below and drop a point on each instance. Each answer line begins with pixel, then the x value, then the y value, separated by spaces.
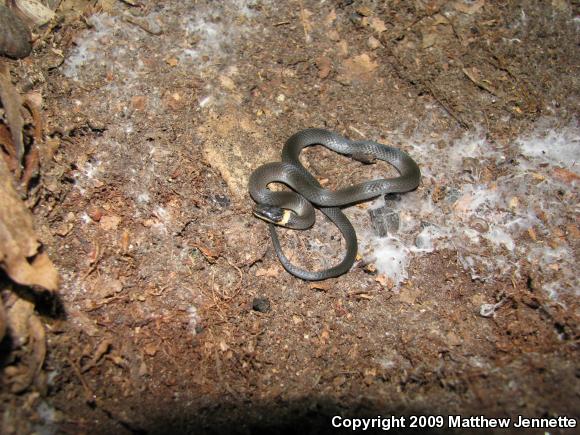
pixel 295 209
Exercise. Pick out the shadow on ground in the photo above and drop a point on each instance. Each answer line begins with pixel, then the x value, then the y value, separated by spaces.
pixel 310 415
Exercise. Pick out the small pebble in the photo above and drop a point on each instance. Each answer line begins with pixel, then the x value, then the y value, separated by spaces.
pixel 356 19
pixel 95 213
pixel 487 310
pixel 261 305
pixel 222 200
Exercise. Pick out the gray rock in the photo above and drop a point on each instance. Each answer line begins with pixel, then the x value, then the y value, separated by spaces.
pixel 385 220
pixel 261 304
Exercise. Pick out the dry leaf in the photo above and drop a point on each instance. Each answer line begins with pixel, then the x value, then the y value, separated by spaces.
pixel 373 43
pixel 35 11
pixel 470 7
pixel 139 102
pixel 330 18
pixel 25 330
pixel 377 24
pixel 31 371
pixel 210 254
pixel 385 281
pixel 12 104
pixel 453 339
pixel 365 11
pixel 538 177
pixel 125 241
pixel 151 349
pixel 321 285
pixel 359 67
pixel 103 348
pixel 361 295
pixel 110 222
pixel 33 102
pixel 227 83
pixel 324 66
pixel 514 202
pixel 174 100
pixel 573 231
pixel 20 254
pixel 172 61
pixel 342 48
pixel 565 175
pixel 333 35
pixel 17 319
pixel 408 296
pixel 439 19
pixel 305 15
pixel 271 272
pixel 106 5
pixel 429 39
pixel 9 151
pixel 31 165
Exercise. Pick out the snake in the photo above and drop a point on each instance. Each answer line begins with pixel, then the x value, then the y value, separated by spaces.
pixel 295 208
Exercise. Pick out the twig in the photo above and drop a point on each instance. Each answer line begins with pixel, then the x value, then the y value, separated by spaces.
pixel 90 396
pixel 426 85
pixel 305 24
pixel 445 106
pixel 480 83
pixel 357 131
pixel 143 26
pixel 238 285
pixel 94 263
pixel 132 3
pixel 218 366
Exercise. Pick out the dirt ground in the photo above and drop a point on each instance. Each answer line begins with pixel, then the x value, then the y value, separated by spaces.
pixel 173 312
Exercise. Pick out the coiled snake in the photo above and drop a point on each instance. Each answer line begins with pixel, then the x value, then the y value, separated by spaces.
pixel 295 209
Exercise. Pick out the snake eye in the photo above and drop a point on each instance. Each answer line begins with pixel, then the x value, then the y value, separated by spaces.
pixel 269 213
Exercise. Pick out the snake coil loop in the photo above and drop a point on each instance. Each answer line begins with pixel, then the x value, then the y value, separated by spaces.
pixel 295 209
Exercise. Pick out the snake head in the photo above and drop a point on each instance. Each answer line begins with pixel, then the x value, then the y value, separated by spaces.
pixel 272 214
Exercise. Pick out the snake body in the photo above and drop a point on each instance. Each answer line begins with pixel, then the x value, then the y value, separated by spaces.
pixel 295 209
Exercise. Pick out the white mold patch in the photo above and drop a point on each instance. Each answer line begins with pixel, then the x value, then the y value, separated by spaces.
pixel 498 225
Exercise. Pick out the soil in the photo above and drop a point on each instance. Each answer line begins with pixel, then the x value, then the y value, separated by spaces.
pixel 174 314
